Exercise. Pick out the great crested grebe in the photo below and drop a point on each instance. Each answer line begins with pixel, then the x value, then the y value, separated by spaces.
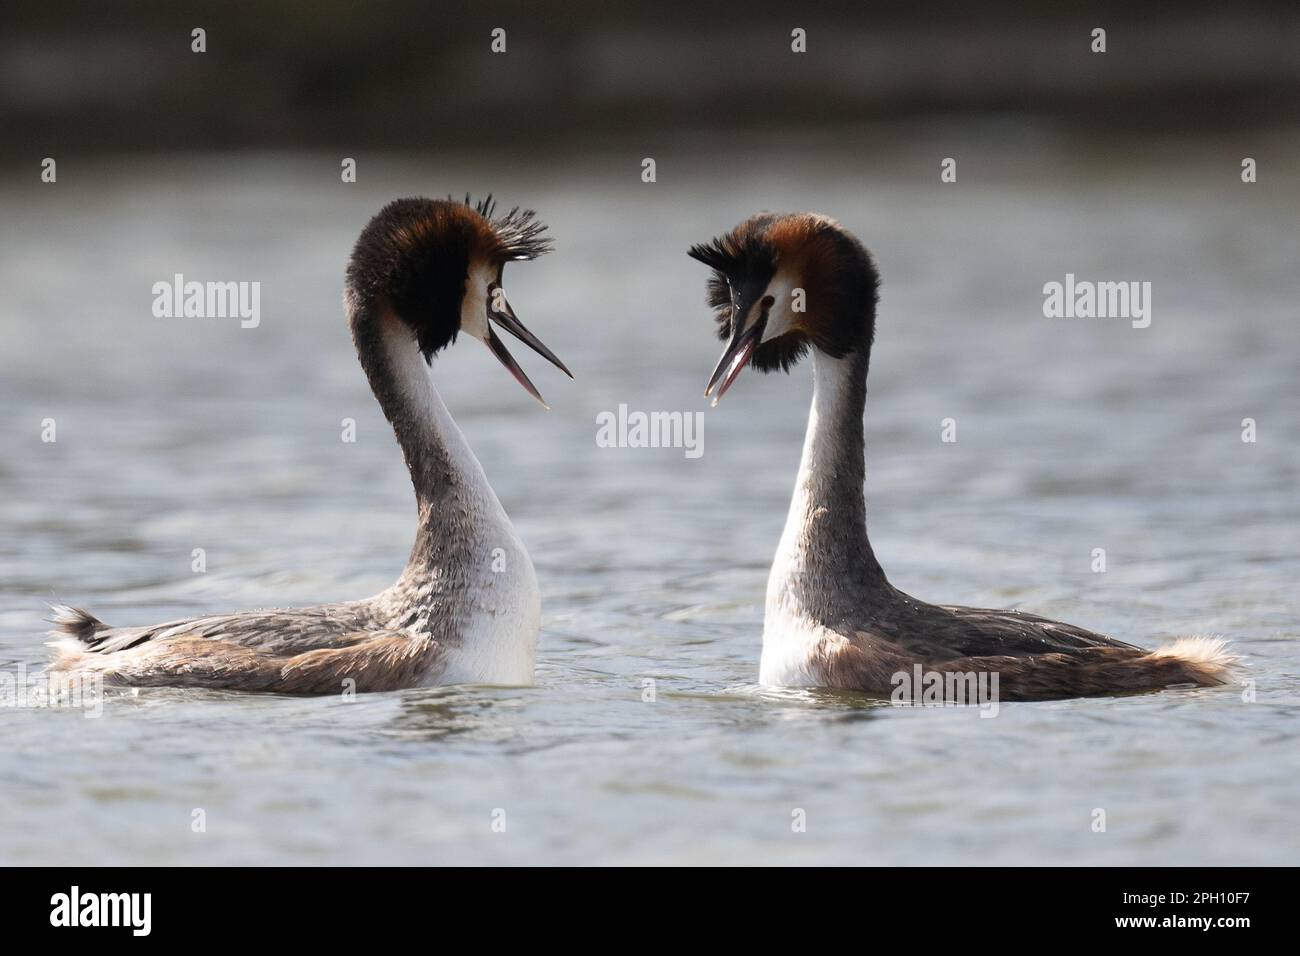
pixel 832 618
pixel 466 609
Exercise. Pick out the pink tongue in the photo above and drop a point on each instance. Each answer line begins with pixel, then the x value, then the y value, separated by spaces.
pixel 498 349
pixel 734 368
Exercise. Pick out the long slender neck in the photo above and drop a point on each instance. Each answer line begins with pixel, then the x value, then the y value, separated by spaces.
pixel 825 568
pixel 456 503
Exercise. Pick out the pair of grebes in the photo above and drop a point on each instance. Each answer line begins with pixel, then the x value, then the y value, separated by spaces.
pixel 425 271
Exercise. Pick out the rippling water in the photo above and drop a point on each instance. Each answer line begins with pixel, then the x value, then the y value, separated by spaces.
pixel 1072 435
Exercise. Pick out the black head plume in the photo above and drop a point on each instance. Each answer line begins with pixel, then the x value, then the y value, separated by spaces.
pixel 416 256
pixel 812 253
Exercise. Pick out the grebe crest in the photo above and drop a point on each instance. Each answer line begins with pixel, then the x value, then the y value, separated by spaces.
pixel 782 284
pixel 438 265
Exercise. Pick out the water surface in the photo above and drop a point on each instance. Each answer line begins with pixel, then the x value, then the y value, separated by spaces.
pixel 1073 435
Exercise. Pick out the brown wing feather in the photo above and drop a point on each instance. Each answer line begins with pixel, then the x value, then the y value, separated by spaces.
pixel 1034 658
pixel 934 632
pixel 374 660
pixel 278 632
pixel 869 662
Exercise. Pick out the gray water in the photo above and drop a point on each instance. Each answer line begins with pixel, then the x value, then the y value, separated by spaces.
pixel 1072 434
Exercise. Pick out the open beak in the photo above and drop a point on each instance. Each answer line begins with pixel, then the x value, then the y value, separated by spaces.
pixel 737 353
pixel 500 312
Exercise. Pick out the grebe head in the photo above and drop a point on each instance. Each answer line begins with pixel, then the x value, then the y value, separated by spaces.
pixel 437 264
pixel 782 283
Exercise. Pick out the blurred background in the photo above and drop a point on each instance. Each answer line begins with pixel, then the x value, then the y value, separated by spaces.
pixel 579 73
pixel 1072 434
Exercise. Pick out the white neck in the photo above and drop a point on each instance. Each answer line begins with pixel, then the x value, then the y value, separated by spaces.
pixel 469 581
pixel 824 562
pixel 435 436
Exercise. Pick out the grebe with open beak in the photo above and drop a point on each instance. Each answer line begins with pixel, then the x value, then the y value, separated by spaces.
pixel 467 607
pixel 832 618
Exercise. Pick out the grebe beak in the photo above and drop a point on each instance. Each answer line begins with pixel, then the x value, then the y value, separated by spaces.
pixel 500 312
pixel 739 350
